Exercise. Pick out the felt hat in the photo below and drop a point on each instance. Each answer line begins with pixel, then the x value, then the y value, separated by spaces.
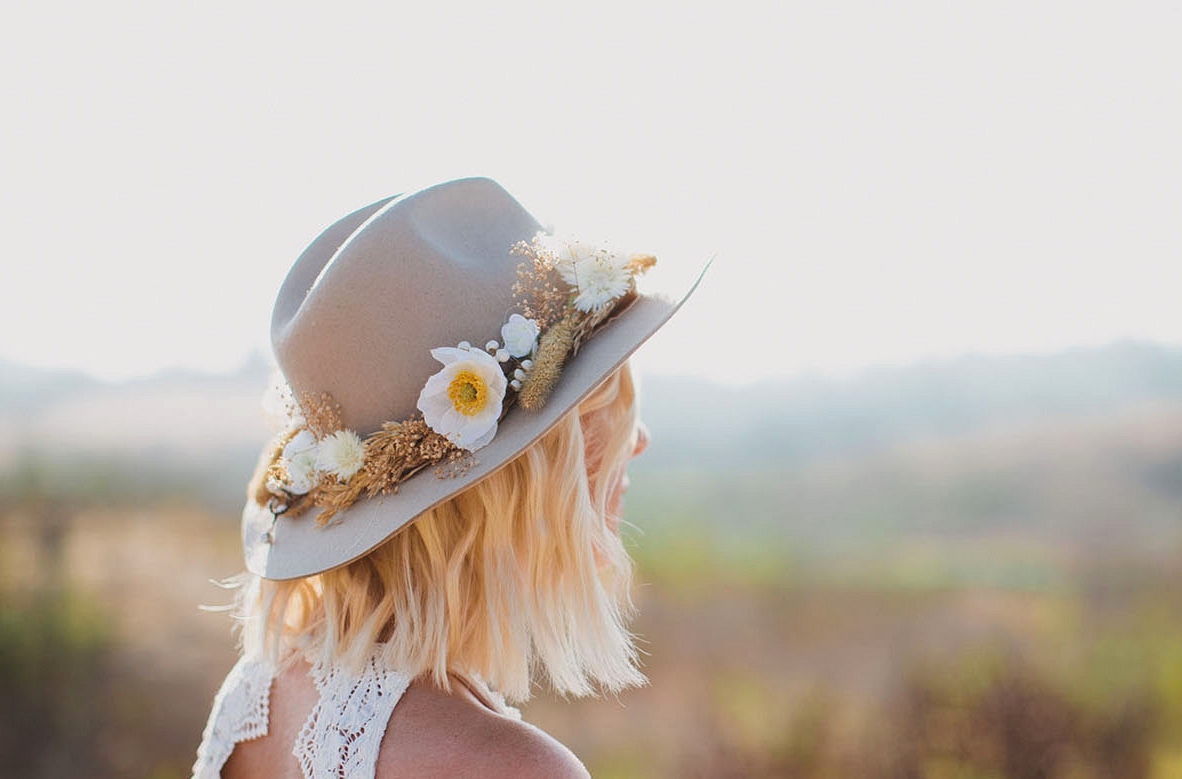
pixel 357 320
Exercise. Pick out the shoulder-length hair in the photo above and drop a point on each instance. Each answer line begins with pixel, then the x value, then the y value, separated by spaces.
pixel 518 572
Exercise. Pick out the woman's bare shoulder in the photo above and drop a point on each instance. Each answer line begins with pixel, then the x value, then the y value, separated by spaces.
pixel 517 749
pixel 437 734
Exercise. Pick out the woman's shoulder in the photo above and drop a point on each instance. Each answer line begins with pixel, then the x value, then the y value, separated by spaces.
pixel 454 734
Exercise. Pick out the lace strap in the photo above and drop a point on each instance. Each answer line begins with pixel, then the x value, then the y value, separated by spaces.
pixel 343 733
pixel 241 710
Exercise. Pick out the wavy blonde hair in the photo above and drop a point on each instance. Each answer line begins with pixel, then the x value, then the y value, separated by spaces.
pixel 518 573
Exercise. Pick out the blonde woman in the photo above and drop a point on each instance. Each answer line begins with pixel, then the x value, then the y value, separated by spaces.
pixel 436 526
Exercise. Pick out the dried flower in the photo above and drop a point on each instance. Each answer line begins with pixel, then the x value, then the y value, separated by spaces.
pixel 340 454
pixel 541 293
pixel 323 414
pixel 597 274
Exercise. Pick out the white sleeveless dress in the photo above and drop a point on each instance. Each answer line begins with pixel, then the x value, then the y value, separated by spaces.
pixel 342 734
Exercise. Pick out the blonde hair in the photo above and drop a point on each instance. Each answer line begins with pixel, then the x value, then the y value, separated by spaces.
pixel 517 573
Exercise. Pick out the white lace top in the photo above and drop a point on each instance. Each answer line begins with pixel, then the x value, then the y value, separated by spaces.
pixel 342 734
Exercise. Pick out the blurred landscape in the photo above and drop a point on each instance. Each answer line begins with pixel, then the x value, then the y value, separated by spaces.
pixel 963 569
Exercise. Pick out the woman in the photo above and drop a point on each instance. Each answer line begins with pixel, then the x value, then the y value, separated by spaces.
pixel 437 522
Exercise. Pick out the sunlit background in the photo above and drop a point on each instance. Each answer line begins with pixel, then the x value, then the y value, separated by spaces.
pixel 914 502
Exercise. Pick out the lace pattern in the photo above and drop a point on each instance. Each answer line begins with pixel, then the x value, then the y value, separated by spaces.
pixel 342 735
pixel 241 711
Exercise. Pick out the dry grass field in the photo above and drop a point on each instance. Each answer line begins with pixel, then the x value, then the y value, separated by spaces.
pixel 1004 602
pixel 807 679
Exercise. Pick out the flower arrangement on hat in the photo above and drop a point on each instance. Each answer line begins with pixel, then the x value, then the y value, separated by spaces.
pixel 566 290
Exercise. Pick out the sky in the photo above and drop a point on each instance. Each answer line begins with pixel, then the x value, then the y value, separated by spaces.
pixel 879 183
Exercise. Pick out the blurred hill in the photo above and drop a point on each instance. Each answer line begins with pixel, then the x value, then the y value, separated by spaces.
pixel 791 422
pixel 176 434
pixel 996 471
pixel 176 412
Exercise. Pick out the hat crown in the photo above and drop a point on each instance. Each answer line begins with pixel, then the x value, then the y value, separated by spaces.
pixel 363 306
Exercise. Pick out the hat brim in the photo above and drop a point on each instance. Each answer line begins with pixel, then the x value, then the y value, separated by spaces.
pixel 290 548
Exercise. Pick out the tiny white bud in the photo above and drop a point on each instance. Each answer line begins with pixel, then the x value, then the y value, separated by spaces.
pixel 502 355
pixel 492 346
pixel 515 384
pixel 527 364
pixel 519 374
pixel 464 345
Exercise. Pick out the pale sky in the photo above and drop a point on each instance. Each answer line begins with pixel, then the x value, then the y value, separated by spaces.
pixel 880 182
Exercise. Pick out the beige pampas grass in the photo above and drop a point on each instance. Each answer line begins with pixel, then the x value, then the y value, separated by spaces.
pixel 553 349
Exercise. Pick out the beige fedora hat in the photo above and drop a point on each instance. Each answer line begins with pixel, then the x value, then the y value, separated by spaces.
pixel 373 322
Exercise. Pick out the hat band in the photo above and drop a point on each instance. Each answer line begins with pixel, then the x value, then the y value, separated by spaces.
pixel 566 290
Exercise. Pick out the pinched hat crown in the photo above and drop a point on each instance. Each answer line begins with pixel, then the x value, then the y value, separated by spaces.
pixel 358 320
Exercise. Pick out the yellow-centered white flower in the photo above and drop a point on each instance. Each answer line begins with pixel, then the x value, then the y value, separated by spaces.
pixel 463 401
pixel 340 454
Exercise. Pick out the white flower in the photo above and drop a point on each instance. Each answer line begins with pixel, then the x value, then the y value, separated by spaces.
pixel 341 454
pixel 300 458
pixel 520 335
pixel 301 472
pixel 597 274
pixel 301 442
pixel 566 252
pixel 463 401
pixel 601 281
